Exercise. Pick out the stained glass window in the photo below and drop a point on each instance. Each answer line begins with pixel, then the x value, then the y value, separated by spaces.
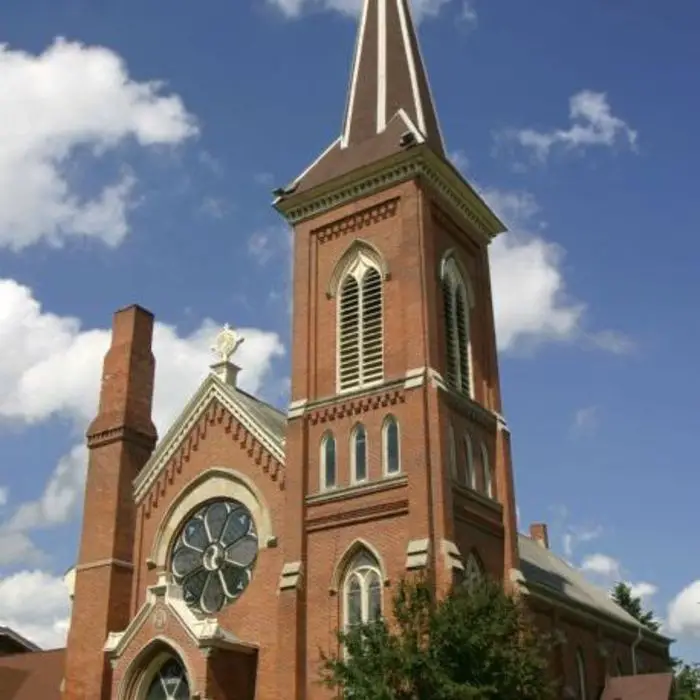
pixel 473 572
pixel 391 446
pixel 170 683
pixel 214 555
pixel 363 590
pixel 359 454
pixel 328 468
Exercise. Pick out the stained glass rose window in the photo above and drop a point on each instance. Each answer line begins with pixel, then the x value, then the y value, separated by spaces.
pixel 214 554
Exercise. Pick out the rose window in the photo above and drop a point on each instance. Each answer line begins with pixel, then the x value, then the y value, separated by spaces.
pixel 214 555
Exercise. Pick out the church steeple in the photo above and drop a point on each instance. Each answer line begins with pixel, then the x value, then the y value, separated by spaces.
pixel 389 105
pixel 388 78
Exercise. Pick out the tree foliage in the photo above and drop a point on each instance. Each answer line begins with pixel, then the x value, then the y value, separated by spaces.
pixel 622 595
pixel 687 683
pixel 477 644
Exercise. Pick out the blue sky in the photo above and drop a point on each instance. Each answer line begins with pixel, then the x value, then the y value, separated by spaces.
pixel 137 158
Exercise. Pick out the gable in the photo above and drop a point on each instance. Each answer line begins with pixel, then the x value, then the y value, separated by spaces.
pixel 261 426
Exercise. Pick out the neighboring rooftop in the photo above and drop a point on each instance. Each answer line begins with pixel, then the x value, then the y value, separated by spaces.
pixel 34 676
pixel 12 642
pixel 649 686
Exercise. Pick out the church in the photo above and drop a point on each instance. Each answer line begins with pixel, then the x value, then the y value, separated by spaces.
pixel 216 561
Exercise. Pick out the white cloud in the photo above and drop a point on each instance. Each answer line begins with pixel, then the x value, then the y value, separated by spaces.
pixel 684 611
pixel 531 301
pixel 468 14
pixel 585 420
pixel 73 97
pixel 592 124
pixel 36 605
pixel 642 589
pixel 4 495
pixel 52 367
pixel 602 565
pixel 295 8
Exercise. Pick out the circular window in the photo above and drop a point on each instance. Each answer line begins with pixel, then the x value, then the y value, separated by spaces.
pixel 214 554
pixel 170 683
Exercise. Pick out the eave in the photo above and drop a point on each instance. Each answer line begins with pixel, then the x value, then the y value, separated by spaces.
pixel 418 161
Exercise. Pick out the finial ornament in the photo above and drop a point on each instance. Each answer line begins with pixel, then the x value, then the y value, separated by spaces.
pixel 226 344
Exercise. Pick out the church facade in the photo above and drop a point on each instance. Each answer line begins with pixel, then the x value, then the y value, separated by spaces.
pixel 216 562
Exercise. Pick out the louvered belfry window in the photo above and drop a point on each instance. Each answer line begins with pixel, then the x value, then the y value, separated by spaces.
pixel 360 328
pixel 456 310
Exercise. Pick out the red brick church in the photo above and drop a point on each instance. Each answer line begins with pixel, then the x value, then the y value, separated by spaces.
pixel 214 563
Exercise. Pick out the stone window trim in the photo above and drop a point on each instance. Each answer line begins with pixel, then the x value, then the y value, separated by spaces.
pixel 469 479
pixel 489 485
pixel 147 663
pixel 362 575
pixel 359 447
pixel 358 248
pixel 345 561
pixel 213 483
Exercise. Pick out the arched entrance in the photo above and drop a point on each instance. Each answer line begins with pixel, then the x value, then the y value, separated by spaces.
pixel 158 673
pixel 169 682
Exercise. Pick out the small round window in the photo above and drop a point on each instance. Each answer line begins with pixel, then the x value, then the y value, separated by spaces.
pixel 214 554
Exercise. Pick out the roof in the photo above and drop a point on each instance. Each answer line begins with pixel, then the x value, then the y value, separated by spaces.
pixel 34 676
pixel 540 566
pixel 388 96
pixel 648 686
pixel 17 639
pixel 271 418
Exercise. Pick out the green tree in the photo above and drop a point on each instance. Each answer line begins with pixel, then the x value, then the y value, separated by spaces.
pixel 687 683
pixel 622 595
pixel 471 644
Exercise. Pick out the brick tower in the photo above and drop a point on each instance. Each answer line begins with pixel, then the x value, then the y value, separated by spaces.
pixel 398 458
pixel 120 440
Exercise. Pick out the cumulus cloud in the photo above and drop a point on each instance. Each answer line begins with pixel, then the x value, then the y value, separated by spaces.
pixel 602 565
pixel 36 605
pixel 73 98
pixel 52 367
pixel 295 8
pixel 684 611
pixel 585 420
pixel 592 124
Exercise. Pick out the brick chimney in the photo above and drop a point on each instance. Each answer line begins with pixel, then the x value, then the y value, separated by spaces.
pixel 538 532
pixel 120 441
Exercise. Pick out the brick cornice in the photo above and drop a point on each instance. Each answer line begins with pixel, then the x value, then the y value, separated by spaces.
pixel 357 221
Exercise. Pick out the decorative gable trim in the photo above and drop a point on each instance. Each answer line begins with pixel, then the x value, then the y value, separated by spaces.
pixel 211 390
pixel 165 598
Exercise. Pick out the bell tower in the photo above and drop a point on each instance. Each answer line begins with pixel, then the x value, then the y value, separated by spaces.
pixel 396 446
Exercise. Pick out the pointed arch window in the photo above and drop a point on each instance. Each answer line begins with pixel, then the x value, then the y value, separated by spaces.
pixel 169 682
pixel 487 470
pixel 473 571
pixel 391 453
pixel 581 688
pixel 329 470
pixel 452 452
pixel 362 590
pixel 469 472
pixel 358 456
pixel 360 325
pixel 457 332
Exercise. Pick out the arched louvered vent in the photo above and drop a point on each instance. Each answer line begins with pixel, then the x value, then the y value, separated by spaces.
pixel 457 337
pixel 372 351
pixel 360 328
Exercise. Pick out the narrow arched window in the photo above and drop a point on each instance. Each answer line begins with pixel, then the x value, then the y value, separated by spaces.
pixel 360 326
pixel 329 472
pixel 457 333
pixel 452 452
pixel 487 471
pixel 358 456
pixel 581 688
pixel 469 472
pixel 169 682
pixel 473 571
pixel 390 447
pixel 362 590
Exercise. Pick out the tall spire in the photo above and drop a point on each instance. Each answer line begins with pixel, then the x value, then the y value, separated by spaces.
pixel 388 77
pixel 389 105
